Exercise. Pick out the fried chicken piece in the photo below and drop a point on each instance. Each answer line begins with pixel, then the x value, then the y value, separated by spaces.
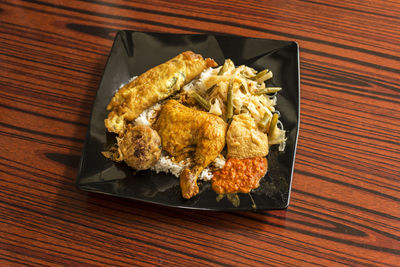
pixel 184 130
pixel 152 86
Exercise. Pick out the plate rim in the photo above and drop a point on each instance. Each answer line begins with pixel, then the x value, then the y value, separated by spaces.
pixel 119 34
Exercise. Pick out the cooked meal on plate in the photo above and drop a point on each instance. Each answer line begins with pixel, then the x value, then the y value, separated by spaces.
pixel 197 121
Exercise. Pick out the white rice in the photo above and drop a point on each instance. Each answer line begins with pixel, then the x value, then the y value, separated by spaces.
pixel 206 174
pixel 148 116
pixel 167 165
pixel 219 162
pixel 131 79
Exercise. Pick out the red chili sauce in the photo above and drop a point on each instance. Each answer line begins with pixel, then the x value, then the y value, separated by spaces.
pixel 239 175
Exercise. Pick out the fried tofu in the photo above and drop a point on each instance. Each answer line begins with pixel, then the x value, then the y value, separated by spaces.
pixel 244 140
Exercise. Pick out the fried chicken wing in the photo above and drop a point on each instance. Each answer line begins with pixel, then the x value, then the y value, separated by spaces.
pixel 152 86
pixel 184 130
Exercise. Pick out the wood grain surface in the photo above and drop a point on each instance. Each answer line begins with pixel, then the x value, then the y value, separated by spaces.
pixel 345 207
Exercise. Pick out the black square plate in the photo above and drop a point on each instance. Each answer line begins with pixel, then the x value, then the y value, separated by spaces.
pixel 135 52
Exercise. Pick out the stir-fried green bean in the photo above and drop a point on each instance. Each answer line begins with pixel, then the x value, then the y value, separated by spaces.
pixel 273 123
pixel 209 90
pixel 229 101
pixel 262 76
pixel 258 75
pixel 243 87
pixel 268 90
pixel 201 101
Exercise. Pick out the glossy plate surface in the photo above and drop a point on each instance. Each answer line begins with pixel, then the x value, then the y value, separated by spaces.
pixel 135 52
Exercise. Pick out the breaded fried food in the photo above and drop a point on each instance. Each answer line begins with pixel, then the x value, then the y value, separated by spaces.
pixel 244 140
pixel 153 86
pixel 139 147
pixel 184 130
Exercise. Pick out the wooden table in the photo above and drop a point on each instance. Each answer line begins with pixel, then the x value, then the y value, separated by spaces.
pixel 345 197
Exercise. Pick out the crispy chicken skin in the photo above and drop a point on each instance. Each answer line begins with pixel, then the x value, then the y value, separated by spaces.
pixel 152 86
pixel 184 130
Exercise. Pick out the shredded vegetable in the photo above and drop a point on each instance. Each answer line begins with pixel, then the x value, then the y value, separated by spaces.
pixel 230 90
